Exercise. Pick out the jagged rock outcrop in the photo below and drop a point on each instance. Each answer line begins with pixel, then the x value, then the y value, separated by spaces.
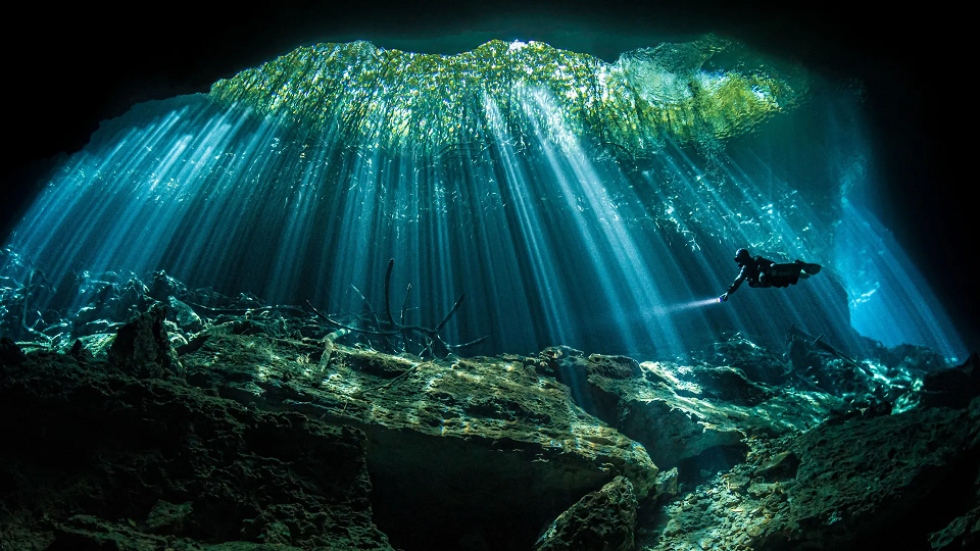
pixel 906 480
pixel 963 532
pixel 874 478
pixel 603 520
pixel 10 353
pixel 142 348
pixel 271 439
pixel 458 447
pixel 688 414
pixel 952 387
pixel 97 458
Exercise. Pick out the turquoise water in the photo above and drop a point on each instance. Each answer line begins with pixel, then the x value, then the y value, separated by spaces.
pixel 568 200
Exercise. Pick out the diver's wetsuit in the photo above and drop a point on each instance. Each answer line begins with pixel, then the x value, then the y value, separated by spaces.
pixel 753 271
pixel 762 272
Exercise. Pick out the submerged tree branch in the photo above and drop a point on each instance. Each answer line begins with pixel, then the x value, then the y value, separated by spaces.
pixel 426 340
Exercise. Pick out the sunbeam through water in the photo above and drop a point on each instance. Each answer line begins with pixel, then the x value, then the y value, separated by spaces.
pixel 570 201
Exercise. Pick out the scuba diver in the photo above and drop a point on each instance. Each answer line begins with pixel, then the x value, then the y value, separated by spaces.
pixel 762 272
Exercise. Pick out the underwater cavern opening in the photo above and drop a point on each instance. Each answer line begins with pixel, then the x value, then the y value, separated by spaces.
pixel 363 296
pixel 572 201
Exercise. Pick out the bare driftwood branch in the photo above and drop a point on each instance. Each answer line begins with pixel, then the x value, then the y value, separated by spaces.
pixel 243 311
pixel 426 340
pixel 391 264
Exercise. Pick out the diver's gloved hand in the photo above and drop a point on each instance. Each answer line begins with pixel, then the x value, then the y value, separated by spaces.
pixel 723 297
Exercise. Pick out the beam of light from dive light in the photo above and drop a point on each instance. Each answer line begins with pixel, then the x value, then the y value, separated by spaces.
pixel 664 310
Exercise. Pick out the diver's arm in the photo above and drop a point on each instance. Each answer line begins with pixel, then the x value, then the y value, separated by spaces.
pixel 742 274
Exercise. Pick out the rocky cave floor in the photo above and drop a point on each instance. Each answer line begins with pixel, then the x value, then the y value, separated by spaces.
pixel 154 417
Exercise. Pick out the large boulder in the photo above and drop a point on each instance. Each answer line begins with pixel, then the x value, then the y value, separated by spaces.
pixel 459 447
pixel 892 481
pixel 697 418
pixel 603 520
pixel 96 458
pixel 142 348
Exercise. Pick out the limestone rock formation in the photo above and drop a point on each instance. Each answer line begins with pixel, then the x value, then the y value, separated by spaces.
pixel 278 435
pixel 456 445
pixel 601 521
pixel 141 346
pixel 96 457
